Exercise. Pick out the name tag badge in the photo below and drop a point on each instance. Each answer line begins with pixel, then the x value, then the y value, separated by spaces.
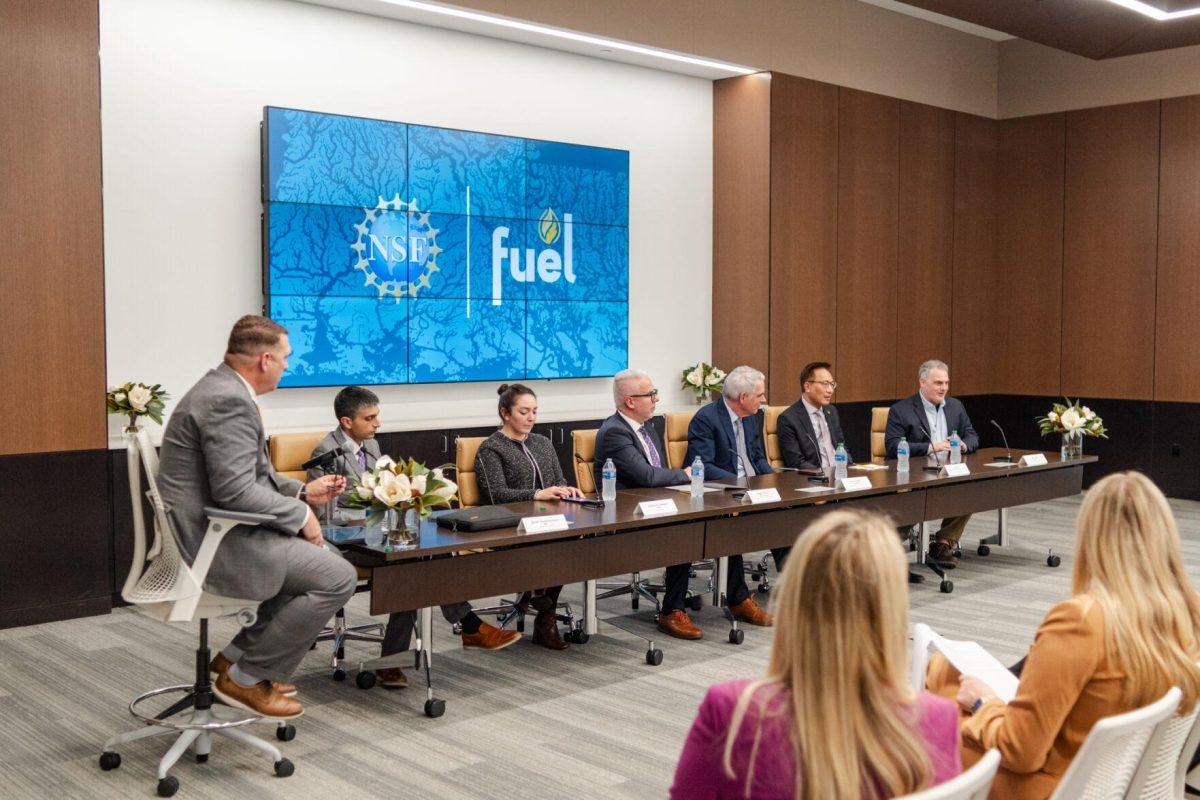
pixel 954 471
pixel 756 496
pixel 1033 460
pixel 856 484
pixel 544 524
pixel 657 508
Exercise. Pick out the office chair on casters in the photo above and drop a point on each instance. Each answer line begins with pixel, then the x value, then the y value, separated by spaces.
pixel 171 590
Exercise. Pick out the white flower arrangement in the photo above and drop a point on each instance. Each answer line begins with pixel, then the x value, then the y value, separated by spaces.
pixel 399 487
pixel 135 400
pixel 1072 417
pixel 703 379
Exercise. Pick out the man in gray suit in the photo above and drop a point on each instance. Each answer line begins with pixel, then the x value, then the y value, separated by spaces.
pixel 357 412
pixel 214 453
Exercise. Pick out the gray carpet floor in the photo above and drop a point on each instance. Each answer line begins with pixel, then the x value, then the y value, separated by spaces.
pixel 594 721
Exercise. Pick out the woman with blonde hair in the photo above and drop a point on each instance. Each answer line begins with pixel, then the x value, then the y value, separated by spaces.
pixel 1130 632
pixel 834 717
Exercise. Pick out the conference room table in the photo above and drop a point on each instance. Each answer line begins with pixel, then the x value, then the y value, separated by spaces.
pixel 450 566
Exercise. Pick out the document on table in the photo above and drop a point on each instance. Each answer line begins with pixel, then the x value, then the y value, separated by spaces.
pixel 1001 464
pixel 816 489
pixel 868 467
pixel 686 488
pixel 970 658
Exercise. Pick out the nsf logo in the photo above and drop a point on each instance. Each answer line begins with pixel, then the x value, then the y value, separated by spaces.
pixel 545 265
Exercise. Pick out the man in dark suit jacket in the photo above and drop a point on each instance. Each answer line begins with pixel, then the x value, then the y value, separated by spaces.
pixel 809 430
pixel 637 451
pixel 727 436
pixel 927 420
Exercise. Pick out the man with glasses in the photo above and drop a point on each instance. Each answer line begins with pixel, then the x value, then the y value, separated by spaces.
pixel 809 430
pixel 637 451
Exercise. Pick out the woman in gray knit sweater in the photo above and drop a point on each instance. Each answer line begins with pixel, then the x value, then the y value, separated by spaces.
pixel 513 465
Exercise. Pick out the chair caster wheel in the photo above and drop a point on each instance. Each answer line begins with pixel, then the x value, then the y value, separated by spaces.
pixel 168 786
pixel 737 636
pixel 577 636
pixel 958 552
pixel 654 656
pixel 201 758
pixel 285 733
pixel 946 587
pixel 764 588
pixel 339 674
pixel 1053 561
pixel 434 708
pixel 365 679
pixel 284 768
pixel 110 760
pixel 695 602
pixel 983 550
pixel 633 603
pixel 520 626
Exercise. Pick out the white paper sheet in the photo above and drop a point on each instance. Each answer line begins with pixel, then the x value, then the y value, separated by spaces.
pixel 816 489
pixel 868 467
pixel 686 488
pixel 970 658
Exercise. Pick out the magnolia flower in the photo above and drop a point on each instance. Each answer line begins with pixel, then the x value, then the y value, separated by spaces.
pixel 119 397
pixel 696 377
pixel 1088 414
pixel 448 490
pixel 366 487
pixel 1052 416
pixel 139 397
pixel 384 463
pixel 714 377
pixel 418 485
pixel 1071 420
pixel 393 489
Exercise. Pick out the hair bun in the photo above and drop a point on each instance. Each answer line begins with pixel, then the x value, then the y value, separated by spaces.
pixel 503 388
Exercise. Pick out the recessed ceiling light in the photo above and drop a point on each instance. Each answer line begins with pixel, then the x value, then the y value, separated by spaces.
pixel 1156 13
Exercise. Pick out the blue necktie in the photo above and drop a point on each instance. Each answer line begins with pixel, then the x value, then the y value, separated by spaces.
pixel 362 459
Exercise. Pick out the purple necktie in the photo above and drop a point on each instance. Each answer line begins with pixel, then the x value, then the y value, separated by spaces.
pixel 655 461
pixel 362 459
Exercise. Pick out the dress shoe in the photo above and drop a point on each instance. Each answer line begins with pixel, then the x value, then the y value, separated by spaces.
pixel 260 699
pixel 489 637
pixel 915 578
pixel 220 665
pixel 941 553
pixel 679 625
pixel 391 678
pixel 752 613
pixel 545 631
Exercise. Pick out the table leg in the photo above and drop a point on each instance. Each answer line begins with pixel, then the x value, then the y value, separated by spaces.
pixel 425 632
pixel 1002 527
pixel 922 542
pixel 590 620
pixel 720 581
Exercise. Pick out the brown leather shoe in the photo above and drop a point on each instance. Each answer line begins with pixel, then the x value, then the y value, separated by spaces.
pixel 261 698
pixel 679 625
pixel 489 637
pixel 391 678
pixel 941 553
pixel 220 665
pixel 545 631
pixel 752 613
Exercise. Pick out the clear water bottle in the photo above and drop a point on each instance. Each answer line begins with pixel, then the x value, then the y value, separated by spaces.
pixel 902 455
pixel 608 489
pixel 955 448
pixel 841 460
pixel 697 477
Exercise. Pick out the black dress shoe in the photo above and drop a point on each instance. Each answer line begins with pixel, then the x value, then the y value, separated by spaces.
pixel 942 554
pixel 915 578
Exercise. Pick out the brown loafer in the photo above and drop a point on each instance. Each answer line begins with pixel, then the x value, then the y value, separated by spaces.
pixel 941 553
pixel 391 678
pixel 261 698
pixel 679 625
pixel 220 665
pixel 752 613
pixel 545 631
pixel 489 637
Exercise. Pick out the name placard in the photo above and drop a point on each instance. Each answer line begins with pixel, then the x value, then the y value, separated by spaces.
pixel 763 495
pixel 1033 460
pixel 544 524
pixel 657 508
pixel 954 471
pixel 856 484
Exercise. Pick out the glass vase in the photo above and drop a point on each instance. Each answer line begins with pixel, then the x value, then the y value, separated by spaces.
pixel 1072 445
pixel 401 529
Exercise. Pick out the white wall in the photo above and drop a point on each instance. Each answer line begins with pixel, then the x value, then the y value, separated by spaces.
pixel 183 83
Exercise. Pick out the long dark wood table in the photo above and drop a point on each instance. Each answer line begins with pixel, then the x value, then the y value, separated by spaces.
pixel 449 566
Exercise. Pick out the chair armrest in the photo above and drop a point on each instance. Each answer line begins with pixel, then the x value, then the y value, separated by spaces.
pixel 216 532
pixel 239 516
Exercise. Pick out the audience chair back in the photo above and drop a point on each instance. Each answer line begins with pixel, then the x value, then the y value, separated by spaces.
pixel 289 450
pixel 1105 765
pixel 878 429
pixel 676 438
pixel 974 784
pixel 1162 773
pixel 465 448
pixel 771 434
pixel 583 452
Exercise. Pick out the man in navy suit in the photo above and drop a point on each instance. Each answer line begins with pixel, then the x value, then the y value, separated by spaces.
pixel 727 435
pixel 927 420
pixel 809 429
pixel 637 452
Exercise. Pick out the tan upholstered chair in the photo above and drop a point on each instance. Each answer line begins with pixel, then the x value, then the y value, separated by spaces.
pixel 879 416
pixel 465 448
pixel 677 437
pixel 771 434
pixel 289 450
pixel 583 454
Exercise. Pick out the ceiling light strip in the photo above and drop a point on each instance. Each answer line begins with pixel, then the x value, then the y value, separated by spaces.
pixel 1156 13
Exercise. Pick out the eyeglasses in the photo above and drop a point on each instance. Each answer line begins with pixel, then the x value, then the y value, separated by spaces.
pixel 831 385
pixel 652 393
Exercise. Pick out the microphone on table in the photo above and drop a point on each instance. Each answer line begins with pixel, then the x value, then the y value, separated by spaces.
pixel 824 476
pixel 937 459
pixel 1006 447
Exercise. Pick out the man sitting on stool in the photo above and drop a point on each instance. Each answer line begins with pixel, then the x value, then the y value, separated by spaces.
pixel 927 419
pixel 727 435
pixel 357 412
pixel 637 452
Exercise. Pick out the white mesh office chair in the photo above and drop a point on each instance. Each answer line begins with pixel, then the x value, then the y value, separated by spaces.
pixel 171 590
pixel 1104 767
pixel 1162 773
pixel 974 784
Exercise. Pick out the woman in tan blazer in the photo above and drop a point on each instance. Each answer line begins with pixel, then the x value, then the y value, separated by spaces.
pixel 1130 632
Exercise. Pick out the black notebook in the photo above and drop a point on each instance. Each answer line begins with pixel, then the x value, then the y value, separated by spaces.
pixel 483 518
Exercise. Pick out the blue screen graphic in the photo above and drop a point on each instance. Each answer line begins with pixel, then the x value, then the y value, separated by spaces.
pixel 399 253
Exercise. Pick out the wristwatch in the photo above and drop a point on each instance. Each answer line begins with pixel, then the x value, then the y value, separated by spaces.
pixel 978 705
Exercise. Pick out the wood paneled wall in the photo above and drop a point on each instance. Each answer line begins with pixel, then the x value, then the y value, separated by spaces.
pixel 51 262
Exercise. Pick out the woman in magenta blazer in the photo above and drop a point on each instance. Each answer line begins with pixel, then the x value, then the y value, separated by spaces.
pixel 834 717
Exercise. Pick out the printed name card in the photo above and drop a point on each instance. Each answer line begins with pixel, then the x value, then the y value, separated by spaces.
pixel 854 484
pixel 1032 460
pixel 954 471
pixel 657 508
pixel 763 495
pixel 544 524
